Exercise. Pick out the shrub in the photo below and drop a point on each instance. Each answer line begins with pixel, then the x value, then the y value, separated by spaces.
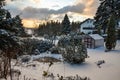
pixel 31 45
pixel 54 50
pixel 73 51
pixel 43 46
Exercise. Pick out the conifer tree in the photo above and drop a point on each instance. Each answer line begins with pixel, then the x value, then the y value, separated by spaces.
pixel 66 25
pixel 9 43
pixel 111 34
pixel 104 11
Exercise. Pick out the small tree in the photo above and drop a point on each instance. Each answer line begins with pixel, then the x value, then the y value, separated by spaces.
pixel 66 25
pixel 9 43
pixel 111 34
pixel 73 50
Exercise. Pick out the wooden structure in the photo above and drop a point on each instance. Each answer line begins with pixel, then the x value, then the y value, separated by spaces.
pixel 93 40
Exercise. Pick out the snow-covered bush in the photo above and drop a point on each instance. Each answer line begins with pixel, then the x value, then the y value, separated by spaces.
pixel 43 46
pixel 64 41
pixel 72 48
pixel 31 45
pixel 54 50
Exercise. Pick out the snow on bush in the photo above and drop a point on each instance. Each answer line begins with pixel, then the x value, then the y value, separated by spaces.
pixel 54 50
pixel 34 46
pixel 43 46
pixel 72 49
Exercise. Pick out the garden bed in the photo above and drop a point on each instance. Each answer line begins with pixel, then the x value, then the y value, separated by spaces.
pixel 47 59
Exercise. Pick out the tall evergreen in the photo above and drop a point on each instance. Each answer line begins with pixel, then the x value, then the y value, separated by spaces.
pixel 66 25
pixel 9 43
pixel 111 34
pixel 104 11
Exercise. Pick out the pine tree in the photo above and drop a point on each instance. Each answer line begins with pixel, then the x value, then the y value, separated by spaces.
pixel 66 25
pixel 111 34
pixel 18 26
pixel 9 43
pixel 104 11
pixel 118 34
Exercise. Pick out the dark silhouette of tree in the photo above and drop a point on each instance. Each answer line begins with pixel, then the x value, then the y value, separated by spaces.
pixel 75 26
pixel 51 28
pixel 66 25
pixel 118 34
pixel 54 28
pixel 105 10
pixel 111 34
pixel 18 26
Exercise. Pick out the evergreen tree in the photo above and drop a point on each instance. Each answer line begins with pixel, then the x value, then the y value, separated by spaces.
pixel 75 26
pixel 66 25
pixel 99 30
pixel 104 11
pixel 18 26
pixel 111 34
pixel 9 43
pixel 118 34
pixel 72 48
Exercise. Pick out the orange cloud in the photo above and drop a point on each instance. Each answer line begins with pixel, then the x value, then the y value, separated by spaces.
pixel 28 23
pixel 36 1
pixel 90 6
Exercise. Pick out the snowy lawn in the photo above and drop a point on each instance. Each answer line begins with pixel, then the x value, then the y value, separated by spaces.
pixel 110 70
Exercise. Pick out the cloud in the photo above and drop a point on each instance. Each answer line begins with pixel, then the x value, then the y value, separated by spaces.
pixel 42 13
pixel 90 6
pixel 36 1
pixel 81 7
pixel 55 6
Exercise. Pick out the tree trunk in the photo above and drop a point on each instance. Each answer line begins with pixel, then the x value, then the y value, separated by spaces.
pixel 10 68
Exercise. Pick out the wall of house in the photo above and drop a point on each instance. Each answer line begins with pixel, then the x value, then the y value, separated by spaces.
pixel 87 24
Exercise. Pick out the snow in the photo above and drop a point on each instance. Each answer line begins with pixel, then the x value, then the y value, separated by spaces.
pixel 38 38
pixel 96 36
pixel 4 32
pixel 110 70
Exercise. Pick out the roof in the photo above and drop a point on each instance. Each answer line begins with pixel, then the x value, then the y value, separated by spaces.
pixel 86 20
pixel 96 36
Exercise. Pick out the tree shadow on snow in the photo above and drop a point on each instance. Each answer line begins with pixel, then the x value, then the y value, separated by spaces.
pixel 81 65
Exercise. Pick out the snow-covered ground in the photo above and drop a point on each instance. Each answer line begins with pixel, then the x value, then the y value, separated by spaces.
pixel 110 70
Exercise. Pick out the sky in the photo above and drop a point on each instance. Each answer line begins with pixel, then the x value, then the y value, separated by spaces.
pixel 39 11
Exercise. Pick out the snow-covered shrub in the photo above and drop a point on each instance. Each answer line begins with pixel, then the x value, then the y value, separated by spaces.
pixel 64 40
pixel 31 45
pixel 43 46
pixel 72 48
pixel 36 52
pixel 54 50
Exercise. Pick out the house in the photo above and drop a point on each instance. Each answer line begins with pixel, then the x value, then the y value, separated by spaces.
pixel 93 41
pixel 87 26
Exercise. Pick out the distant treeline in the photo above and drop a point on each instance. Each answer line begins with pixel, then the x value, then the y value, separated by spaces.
pixel 53 28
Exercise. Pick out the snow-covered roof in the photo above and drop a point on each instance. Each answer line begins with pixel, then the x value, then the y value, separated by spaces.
pixel 96 36
pixel 87 20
